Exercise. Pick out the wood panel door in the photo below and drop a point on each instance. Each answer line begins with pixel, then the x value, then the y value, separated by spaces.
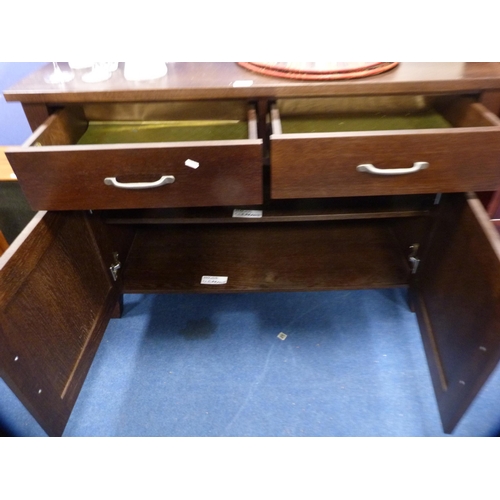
pixel 56 297
pixel 457 301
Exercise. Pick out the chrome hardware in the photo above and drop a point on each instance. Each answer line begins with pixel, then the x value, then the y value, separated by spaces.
pixel 414 261
pixel 372 169
pixel 165 179
pixel 114 267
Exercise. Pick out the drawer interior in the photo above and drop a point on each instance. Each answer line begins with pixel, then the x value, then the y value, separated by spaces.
pixel 370 113
pixel 163 131
pixel 149 123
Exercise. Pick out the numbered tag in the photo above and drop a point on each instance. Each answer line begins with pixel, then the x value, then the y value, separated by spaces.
pixel 242 83
pixel 191 164
pixel 248 214
pixel 213 280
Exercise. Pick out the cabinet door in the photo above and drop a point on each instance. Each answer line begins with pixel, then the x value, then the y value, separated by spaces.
pixel 457 300
pixel 56 297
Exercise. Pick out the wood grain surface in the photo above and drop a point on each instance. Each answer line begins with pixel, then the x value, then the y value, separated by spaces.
pixel 217 81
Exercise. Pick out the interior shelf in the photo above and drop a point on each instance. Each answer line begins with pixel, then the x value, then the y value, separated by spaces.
pixel 321 255
pixel 375 207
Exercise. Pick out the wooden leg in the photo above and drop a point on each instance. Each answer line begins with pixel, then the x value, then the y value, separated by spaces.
pixel 411 298
pixel 493 207
pixel 118 309
pixel 3 243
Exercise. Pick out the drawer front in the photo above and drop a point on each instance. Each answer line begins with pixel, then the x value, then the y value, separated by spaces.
pixel 327 165
pixel 73 177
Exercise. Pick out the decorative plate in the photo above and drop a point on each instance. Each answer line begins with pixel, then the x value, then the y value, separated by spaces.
pixel 319 70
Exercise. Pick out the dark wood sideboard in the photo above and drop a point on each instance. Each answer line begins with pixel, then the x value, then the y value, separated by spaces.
pixel 215 179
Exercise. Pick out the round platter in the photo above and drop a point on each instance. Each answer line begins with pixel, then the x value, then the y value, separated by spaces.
pixel 319 70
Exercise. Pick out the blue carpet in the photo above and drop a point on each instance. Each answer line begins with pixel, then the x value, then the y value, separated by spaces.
pixel 352 364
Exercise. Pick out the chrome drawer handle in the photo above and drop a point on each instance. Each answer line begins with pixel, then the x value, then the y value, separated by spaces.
pixel 372 169
pixel 165 179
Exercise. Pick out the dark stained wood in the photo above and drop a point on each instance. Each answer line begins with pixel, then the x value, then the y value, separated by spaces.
pixel 3 244
pixel 117 311
pixel 36 114
pixel 114 244
pixel 59 175
pixel 491 99
pixel 324 166
pixel 467 113
pixel 62 128
pixel 60 264
pixel 192 81
pixel 56 297
pixel 378 207
pixel 457 291
pixel 273 257
pixel 59 178
pixel 491 200
pixel 494 206
pixel 111 239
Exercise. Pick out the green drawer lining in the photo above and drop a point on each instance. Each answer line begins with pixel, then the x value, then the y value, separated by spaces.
pixel 143 132
pixel 174 131
pixel 351 122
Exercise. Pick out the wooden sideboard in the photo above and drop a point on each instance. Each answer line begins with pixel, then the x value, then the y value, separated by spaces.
pixel 215 179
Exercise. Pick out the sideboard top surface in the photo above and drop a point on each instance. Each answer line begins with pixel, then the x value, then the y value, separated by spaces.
pixel 226 80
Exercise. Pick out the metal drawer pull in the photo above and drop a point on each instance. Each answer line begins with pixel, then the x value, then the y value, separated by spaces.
pixel 165 179
pixel 372 169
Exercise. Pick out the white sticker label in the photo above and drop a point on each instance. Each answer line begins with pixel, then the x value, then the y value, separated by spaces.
pixel 242 83
pixel 213 280
pixel 249 214
pixel 282 336
pixel 191 163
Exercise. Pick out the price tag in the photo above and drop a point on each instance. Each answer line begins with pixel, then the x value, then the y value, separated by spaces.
pixel 248 214
pixel 242 83
pixel 191 163
pixel 213 280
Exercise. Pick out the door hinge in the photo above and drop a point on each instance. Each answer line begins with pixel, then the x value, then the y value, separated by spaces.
pixel 413 259
pixel 115 266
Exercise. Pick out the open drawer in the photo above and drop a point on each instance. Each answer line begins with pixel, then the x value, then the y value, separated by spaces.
pixel 365 146
pixel 149 155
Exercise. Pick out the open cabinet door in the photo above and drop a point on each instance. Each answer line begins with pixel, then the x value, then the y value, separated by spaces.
pixel 457 301
pixel 56 297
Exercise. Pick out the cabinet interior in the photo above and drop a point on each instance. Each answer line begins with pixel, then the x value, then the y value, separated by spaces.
pixel 331 244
